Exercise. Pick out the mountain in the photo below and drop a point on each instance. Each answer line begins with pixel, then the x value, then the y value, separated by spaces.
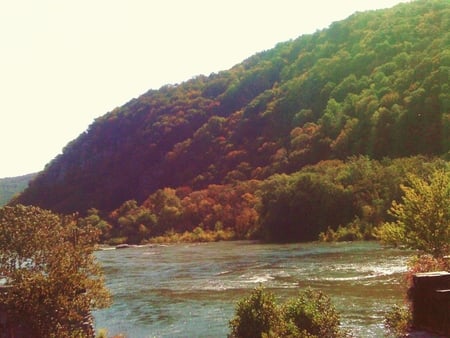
pixel 11 186
pixel 375 84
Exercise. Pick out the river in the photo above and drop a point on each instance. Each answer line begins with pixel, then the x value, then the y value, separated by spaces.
pixel 190 290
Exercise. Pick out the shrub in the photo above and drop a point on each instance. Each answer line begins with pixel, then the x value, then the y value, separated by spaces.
pixel 197 235
pixel 313 312
pixel 426 263
pixel 310 315
pixel 348 233
pixel 398 321
pixel 256 315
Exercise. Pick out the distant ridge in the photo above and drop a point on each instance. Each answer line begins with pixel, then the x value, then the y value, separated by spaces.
pixel 11 186
pixel 376 84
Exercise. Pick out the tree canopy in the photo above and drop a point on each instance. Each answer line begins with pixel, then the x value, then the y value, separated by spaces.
pixel 47 262
pixel 375 84
pixel 422 217
pixel 333 200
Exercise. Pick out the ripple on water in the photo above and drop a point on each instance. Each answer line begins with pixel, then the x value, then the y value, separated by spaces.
pixel 191 290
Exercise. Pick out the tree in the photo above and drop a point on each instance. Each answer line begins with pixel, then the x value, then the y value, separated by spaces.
pixel 423 216
pixel 48 263
pixel 300 206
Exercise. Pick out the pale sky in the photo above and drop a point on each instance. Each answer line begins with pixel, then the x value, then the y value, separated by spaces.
pixel 63 63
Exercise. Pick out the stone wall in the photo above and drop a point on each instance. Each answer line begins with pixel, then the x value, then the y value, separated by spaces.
pixel 430 297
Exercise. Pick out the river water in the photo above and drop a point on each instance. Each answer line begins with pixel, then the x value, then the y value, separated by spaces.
pixel 190 290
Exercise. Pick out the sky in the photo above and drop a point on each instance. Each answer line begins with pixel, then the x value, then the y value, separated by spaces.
pixel 65 62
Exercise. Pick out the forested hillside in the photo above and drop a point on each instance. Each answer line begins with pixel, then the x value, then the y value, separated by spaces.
pixel 11 186
pixel 376 84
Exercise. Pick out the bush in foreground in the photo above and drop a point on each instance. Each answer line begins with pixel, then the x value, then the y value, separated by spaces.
pixel 309 315
pixel 48 263
pixel 398 321
pixel 313 312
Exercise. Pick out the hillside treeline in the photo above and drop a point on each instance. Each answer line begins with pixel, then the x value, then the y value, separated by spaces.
pixel 339 200
pixel 284 121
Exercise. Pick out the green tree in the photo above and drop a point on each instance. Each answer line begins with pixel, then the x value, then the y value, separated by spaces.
pixel 423 216
pixel 255 315
pixel 166 206
pixel 48 263
pixel 312 312
pixel 93 218
pixel 300 206
pixel 310 315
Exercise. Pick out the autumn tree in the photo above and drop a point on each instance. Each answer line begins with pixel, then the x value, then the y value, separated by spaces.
pixel 52 277
pixel 422 218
